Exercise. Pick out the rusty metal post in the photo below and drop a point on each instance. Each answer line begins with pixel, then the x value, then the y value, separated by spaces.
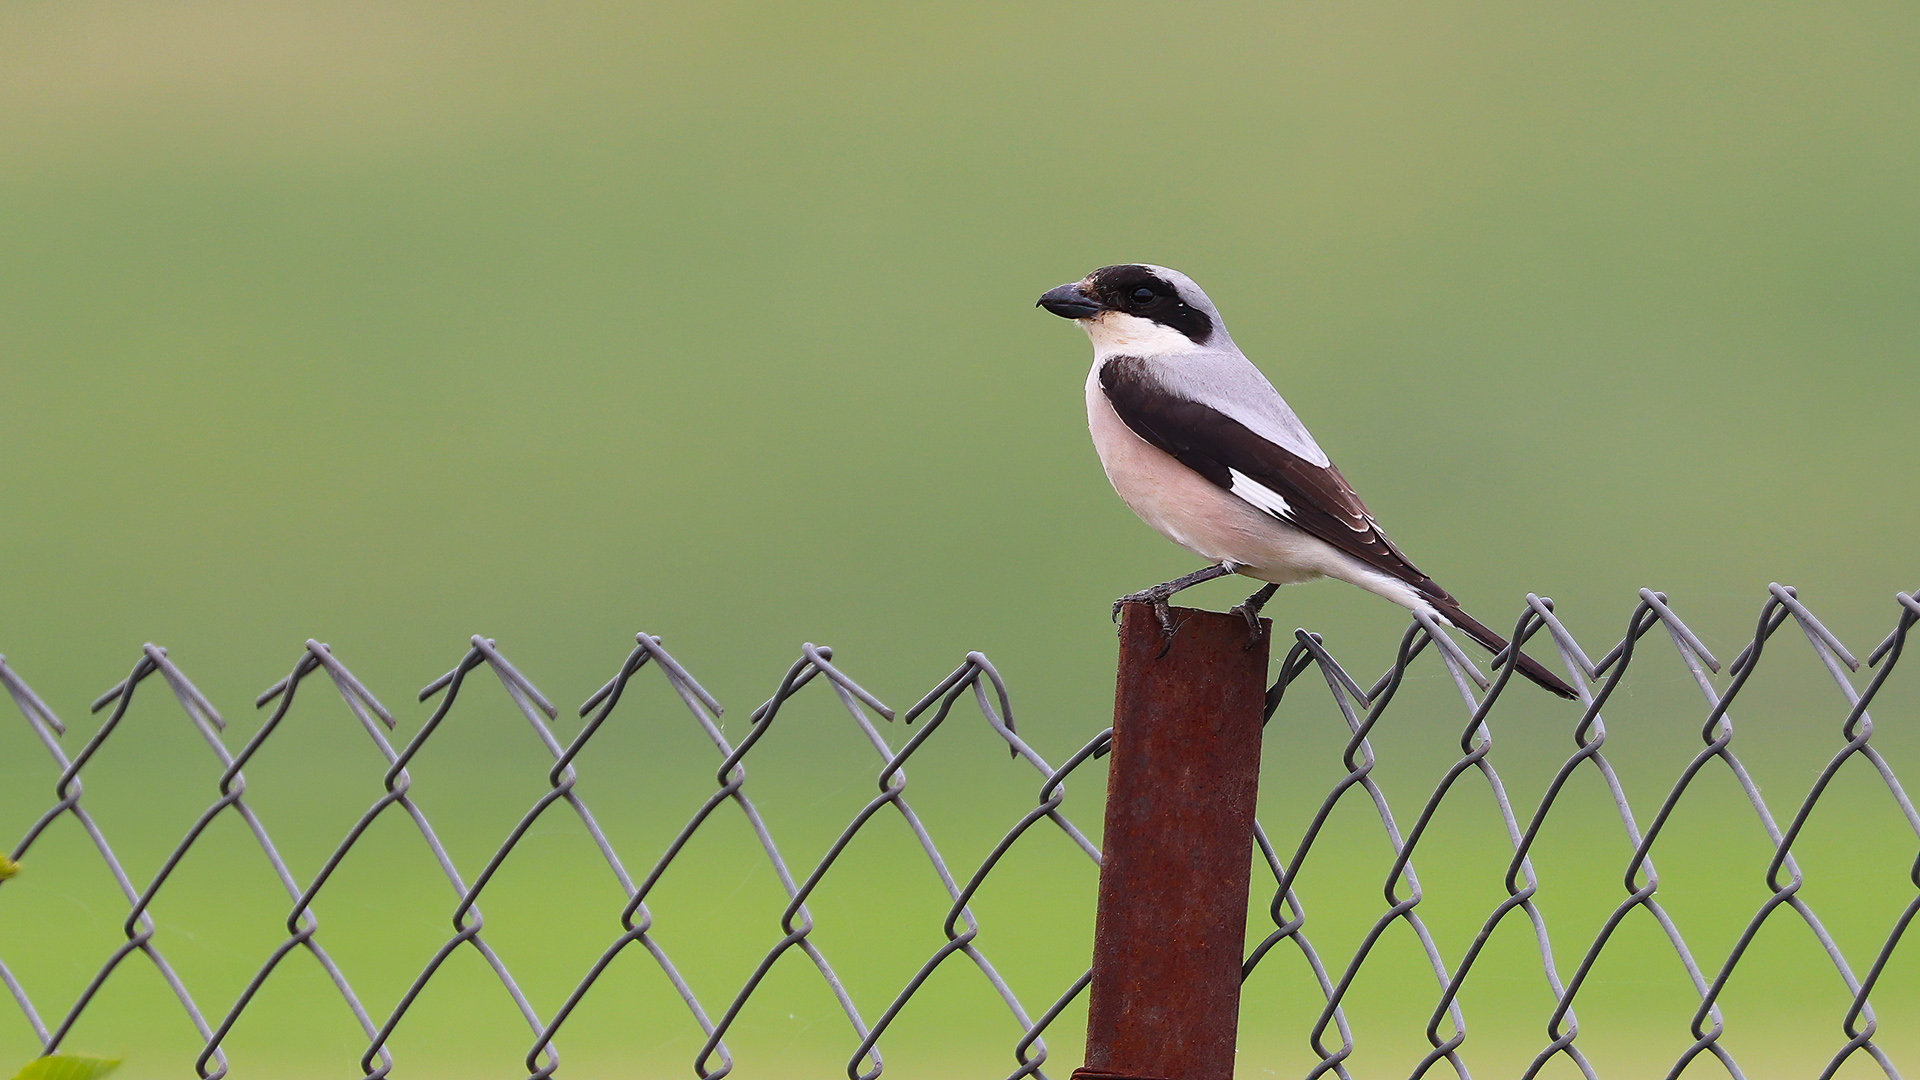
pixel 1171 929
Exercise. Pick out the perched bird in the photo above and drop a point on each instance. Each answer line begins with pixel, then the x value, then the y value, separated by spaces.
pixel 1201 446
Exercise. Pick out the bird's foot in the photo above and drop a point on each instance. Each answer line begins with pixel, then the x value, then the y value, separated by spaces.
pixel 1157 598
pixel 1249 609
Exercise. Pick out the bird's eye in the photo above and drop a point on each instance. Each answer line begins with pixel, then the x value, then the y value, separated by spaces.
pixel 1142 295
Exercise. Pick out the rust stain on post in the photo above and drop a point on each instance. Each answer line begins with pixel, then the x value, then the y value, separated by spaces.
pixel 1171 929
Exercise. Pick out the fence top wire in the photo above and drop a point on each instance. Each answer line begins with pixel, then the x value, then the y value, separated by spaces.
pixel 1359 710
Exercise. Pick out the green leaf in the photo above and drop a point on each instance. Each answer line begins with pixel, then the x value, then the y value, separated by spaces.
pixel 67 1067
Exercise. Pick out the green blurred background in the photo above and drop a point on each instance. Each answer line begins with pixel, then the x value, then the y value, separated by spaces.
pixel 391 323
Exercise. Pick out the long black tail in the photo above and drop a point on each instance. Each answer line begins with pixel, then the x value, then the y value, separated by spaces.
pixel 1529 667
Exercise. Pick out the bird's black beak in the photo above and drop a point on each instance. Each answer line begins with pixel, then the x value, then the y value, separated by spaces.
pixel 1070 302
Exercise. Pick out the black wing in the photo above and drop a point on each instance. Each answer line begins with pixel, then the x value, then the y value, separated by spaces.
pixel 1265 475
pixel 1277 481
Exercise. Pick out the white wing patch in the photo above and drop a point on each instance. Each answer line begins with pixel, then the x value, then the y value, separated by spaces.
pixel 1260 495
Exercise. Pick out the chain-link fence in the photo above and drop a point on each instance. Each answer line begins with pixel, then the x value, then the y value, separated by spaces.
pixel 975 685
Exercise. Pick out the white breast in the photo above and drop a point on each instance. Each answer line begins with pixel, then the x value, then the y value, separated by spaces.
pixel 1184 507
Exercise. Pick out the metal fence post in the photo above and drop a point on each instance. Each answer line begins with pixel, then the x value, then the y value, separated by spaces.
pixel 1171 929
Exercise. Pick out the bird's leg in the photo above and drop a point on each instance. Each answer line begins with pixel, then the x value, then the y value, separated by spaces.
pixel 1249 609
pixel 1157 596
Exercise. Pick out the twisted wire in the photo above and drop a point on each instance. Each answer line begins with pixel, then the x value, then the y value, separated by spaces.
pixel 975 687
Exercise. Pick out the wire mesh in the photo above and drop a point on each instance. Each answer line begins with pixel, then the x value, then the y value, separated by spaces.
pixel 976 687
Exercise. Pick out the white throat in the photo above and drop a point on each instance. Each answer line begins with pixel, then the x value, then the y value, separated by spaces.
pixel 1116 333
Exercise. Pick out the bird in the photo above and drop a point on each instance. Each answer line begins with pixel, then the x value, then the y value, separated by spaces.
pixel 1200 445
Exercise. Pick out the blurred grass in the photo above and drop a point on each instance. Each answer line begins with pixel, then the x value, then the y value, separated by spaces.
pixel 391 323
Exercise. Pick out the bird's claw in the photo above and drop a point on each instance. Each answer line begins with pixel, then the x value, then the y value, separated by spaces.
pixel 1162 612
pixel 1249 609
pixel 1156 597
pixel 1255 630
